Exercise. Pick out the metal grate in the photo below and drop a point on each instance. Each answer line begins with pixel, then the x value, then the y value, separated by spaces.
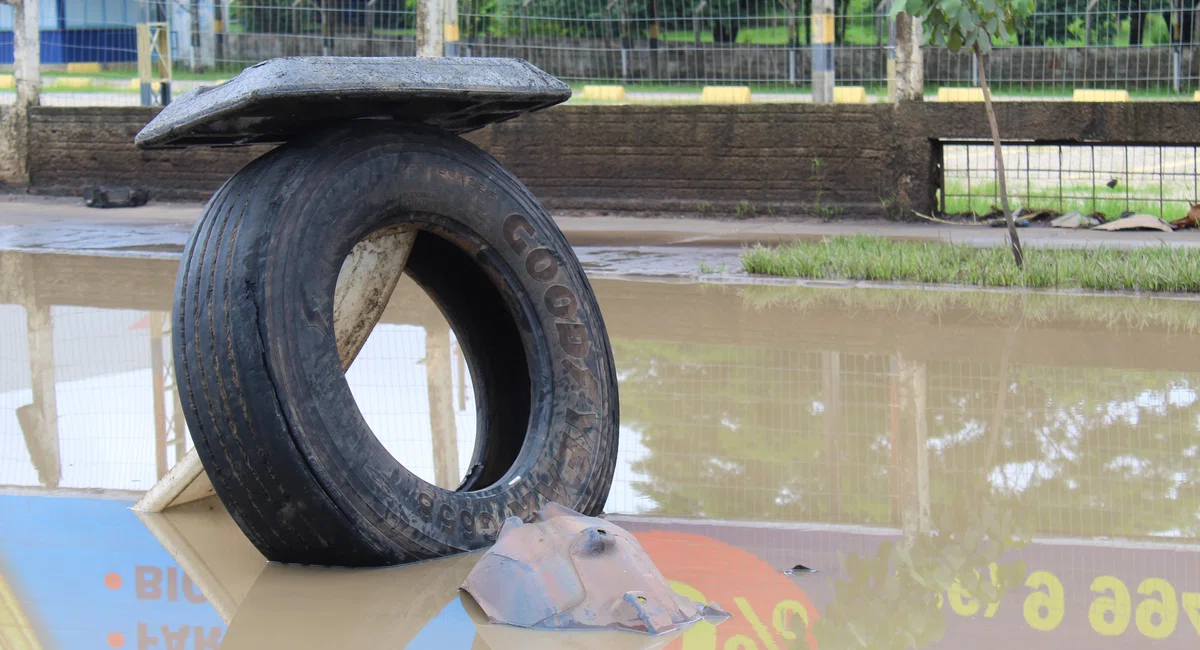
pixel 1091 178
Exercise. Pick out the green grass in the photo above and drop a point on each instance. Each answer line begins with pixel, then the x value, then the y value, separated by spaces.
pixel 856 34
pixel 861 30
pixel 1109 202
pixel 864 257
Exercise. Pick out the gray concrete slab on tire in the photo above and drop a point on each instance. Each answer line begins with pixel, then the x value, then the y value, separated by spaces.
pixel 279 99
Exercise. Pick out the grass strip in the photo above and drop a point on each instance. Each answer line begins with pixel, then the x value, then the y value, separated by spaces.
pixel 865 257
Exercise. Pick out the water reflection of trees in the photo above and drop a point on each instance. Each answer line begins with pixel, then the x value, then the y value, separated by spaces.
pixel 895 598
pixel 749 433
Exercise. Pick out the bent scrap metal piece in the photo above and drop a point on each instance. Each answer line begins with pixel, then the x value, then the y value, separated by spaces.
pixel 567 571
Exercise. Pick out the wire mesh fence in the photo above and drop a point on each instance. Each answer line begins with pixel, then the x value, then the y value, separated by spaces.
pixel 659 50
pixel 1146 48
pixel 1108 180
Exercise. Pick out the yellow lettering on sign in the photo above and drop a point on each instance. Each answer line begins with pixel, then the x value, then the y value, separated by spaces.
pixel 761 630
pixel 1191 605
pixel 703 635
pixel 994 571
pixel 782 621
pixel 1044 609
pixel 963 603
pixel 1165 608
pixel 1109 615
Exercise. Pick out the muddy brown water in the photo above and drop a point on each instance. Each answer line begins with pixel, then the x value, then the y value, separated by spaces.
pixel 961 469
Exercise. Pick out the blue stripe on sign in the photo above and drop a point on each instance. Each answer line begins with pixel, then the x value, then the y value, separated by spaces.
pixel 822 57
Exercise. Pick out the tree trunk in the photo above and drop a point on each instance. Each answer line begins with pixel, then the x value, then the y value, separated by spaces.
pixel 910 67
pixel 991 113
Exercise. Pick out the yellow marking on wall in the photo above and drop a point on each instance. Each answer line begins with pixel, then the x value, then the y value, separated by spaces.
pixel 849 95
pixel 1085 95
pixel 822 29
pixel 960 94
pixel 603 93
pixel 725 95
pixel 83 68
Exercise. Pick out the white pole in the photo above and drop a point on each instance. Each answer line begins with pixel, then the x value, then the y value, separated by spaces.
pixel 430 28
pixel 26 52
pixel 910 68
pixel 823 75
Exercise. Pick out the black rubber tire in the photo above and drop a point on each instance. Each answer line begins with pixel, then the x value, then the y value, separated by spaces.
pixel 261 383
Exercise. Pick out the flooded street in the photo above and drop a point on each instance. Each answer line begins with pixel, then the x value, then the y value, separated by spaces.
pixel 838 467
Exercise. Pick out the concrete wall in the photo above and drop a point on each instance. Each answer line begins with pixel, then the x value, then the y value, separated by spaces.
pixel 783 160
pixel 74 147
pixel 9 164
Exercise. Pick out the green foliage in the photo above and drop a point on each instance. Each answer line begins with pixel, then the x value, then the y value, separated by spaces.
pixel 893 601
pixel 863 257
pixel 345 16
pixel 968 24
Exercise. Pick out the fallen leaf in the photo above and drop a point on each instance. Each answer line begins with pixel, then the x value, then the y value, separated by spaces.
pixel 1192 220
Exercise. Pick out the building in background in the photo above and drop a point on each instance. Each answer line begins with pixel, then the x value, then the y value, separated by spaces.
pixel 79 30
pixel 104 31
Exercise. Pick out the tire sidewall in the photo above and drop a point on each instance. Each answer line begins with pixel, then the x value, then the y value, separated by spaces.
pixel 376 175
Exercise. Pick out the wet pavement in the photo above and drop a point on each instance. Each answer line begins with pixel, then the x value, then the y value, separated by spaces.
pixel 57 223
pixel 960 468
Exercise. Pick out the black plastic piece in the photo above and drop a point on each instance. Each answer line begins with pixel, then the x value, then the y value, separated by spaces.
pixel 109 196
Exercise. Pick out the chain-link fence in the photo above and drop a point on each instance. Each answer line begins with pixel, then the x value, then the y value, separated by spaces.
pixel 658 50
pixel 1145 48
pixel 1107 180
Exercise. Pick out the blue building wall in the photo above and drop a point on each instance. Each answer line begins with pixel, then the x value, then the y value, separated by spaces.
pixel 79 30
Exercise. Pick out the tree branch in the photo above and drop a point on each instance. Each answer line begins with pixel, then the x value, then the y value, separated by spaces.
pixel 991 113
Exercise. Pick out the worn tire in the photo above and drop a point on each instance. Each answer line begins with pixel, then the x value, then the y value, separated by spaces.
pixel 263 389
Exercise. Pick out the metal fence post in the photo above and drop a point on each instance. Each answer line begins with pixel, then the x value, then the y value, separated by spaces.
pixel 910 67
pixel 822 51
pixel 652 6
pixel 430 29
pixel 451 30
pixel 626 40
pixel 891 61
pixel 793 42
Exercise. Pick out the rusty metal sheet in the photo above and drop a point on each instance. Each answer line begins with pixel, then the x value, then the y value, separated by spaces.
pixel 563 570
pixel 278 99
